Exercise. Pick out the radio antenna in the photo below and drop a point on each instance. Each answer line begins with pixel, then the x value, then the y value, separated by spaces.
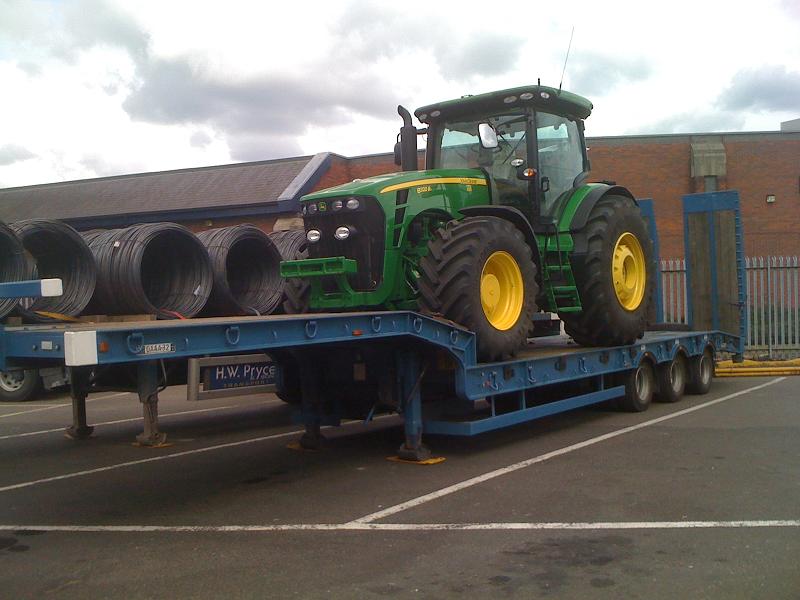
pixel 566 58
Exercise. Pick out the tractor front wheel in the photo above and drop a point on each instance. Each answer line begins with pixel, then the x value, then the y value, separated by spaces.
pixel 614 276
pixel 479 272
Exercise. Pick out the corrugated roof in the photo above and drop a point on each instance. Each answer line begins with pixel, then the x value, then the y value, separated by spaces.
pixel 235 185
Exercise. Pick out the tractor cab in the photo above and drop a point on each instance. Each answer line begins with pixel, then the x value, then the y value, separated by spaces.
pixel 529 144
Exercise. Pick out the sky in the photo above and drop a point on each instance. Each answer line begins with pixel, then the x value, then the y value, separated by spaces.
pixel 92 88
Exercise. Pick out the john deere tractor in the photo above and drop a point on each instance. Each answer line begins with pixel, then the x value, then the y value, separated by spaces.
pixel 501 224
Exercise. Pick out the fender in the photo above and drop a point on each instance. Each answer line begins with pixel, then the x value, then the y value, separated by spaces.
pixel 593 197
pixel 509 213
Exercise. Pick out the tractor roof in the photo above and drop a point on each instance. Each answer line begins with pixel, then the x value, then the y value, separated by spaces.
pixel 540 96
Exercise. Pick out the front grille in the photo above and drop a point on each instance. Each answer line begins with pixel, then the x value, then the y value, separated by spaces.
pixel 366 246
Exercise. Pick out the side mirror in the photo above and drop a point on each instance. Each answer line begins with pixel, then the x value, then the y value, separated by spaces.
pixel 488 136
pixel 398 154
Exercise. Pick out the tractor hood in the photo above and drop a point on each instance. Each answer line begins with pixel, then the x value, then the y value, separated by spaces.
pixel 383 184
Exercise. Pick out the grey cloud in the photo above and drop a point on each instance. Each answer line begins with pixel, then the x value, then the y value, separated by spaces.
pixel 259 116
pixel 693 122
pixel 64 29
pixel 595 74
pixel 487 54
pixel 200 139
pixel 11 153
pixel 250 147
pixel 769 88
pixel 175 92
pixel 30 68
pixel 367 30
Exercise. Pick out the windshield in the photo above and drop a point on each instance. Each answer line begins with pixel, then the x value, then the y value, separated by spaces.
pixel 461 149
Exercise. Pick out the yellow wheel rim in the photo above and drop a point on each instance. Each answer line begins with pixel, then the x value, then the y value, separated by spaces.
pixel 502 290
pixel 629 271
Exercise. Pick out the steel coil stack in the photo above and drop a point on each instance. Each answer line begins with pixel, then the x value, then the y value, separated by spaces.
pixel 292 245
pixel 13 266
pixel 246 265
pixel 56 250
pixel 151 268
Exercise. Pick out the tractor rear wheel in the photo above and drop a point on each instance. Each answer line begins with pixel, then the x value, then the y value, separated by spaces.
pixel 479 272
pixel 614 277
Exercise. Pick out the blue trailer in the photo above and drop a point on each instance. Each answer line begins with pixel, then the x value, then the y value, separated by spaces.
pixel 356 364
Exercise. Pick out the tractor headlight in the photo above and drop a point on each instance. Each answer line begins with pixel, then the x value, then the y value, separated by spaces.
pixel 341 233
pixel 337 205
pixel 305 210
pixel 312 208
pixel 353 203
pixel 313 235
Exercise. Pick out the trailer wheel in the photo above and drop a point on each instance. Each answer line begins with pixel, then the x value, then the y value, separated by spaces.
pixel 479 272
pixel 19 386
pixel 671 379
pixel 640 384
pixel 701 372
pixel 614 276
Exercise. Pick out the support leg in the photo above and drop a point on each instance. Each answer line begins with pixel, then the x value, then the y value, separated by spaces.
pixel 310 376
pixel 147 388
pixel 79 389
pixel 410 376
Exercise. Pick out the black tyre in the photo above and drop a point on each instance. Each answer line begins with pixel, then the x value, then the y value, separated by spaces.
pixel 19 386
pixel 671 378
pixel 296 292
pixel 479 272
pixel 640 384
pixel 701 372
pixel 614 277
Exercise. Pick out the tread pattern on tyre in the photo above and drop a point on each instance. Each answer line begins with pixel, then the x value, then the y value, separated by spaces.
pixel 292 245
pixel 603 322
pixel 449 282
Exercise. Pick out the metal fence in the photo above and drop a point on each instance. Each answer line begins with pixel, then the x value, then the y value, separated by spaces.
pixel 773 302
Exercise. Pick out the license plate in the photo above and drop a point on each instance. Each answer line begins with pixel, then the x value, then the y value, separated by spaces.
pixel 163 348
pixel 243 375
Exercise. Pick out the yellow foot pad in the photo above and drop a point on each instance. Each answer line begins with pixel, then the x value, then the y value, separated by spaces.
pixel 434 460
pixel 161 445
pixel 299 447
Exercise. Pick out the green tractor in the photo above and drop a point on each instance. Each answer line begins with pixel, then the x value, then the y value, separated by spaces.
pixel 501 224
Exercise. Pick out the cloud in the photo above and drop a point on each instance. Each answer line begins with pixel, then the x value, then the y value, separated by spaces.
pixel 594 74
pixel 692 122
pixel 367 30
pixel 65 29
pixel 768 88
pixel 11 153
pixel 275 107
pixel 200 139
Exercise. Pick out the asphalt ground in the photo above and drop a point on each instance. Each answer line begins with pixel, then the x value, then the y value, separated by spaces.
pixel 699 499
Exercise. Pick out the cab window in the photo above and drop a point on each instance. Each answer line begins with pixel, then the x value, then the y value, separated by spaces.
pixel 560 154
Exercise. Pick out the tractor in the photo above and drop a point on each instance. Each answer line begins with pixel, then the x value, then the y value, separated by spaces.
pixel 499 225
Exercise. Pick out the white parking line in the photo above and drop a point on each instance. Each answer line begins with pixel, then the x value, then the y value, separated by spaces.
pixel 355 526
pixel 451 489
pixel 152 459
pixel 160 416
pixel 51 406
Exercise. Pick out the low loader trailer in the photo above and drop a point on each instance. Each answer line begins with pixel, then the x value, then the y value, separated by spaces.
pixel 334 366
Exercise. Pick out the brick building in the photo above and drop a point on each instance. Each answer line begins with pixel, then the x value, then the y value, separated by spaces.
pixel 764 167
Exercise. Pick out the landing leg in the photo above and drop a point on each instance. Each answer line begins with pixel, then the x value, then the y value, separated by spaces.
pixel 310 375
pixel 147 388
pixel 410 379
pixel 79 389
